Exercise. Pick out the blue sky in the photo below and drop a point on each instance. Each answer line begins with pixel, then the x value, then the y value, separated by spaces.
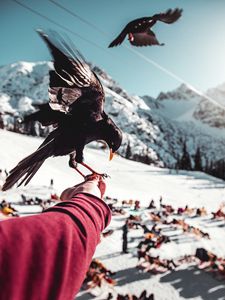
pixel 194 46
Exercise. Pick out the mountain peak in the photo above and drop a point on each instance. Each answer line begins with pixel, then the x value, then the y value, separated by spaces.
pixel 182 92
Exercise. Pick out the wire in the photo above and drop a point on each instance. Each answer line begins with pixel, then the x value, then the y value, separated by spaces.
pixel 152 62
pixel 59 25
pixel 190 86
pixel 78 17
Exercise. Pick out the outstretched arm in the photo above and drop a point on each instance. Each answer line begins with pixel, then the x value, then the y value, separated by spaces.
pixel 57 245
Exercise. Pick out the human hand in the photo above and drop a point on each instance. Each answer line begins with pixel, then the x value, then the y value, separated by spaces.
pixel 93 184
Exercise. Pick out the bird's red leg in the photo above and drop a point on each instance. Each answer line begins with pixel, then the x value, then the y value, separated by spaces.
pixel 75 168
pixel 90 169
pixel 73 165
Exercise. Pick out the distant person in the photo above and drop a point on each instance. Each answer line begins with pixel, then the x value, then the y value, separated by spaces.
pixel 51 183
pixel 7 209
pixel 152 204
pixel 161 205
pixel 137 205
pixel 47 255
pixel 2 178
pixel 110 296
pixel 124 236
pixel 24 198
pixel 3 204
pixel 6 172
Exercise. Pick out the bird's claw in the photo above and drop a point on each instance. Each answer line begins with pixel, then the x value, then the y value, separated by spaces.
pixel 94 175
pixel 104 175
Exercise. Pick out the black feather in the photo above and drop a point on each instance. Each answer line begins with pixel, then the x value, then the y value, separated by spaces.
pixel 28 165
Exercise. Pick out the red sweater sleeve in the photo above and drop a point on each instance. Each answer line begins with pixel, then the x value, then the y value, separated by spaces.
pixel 46 256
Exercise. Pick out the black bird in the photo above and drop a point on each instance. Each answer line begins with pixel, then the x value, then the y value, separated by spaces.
pixel 75 109
pixel 139 32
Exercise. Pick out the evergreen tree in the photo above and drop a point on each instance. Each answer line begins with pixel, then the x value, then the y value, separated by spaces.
pixel 177 164
pixel 185 161
pixel 223 170
pixel 128 151
pixel 211 168
pixel 215 168
pixel 198 160
pixel 206 167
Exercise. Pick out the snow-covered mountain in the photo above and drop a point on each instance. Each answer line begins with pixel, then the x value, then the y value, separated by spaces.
pixel 154 129
pixel 199 120
pixel 209 113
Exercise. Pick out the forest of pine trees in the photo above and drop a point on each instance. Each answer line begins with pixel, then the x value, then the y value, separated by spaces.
pixel 214 168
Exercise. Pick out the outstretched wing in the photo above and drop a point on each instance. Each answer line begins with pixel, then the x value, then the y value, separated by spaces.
pixel 169 17
pixel 71 75
pixel 119 39
pixel 146 38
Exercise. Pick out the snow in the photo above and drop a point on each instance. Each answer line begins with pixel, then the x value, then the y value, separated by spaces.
pixel 218 93
pixel 131 180
pixel 4 104
pixel 25 105
pixel 179 110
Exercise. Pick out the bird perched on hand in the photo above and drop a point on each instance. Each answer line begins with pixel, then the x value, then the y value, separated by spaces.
pixel 75 110
pixel 139 32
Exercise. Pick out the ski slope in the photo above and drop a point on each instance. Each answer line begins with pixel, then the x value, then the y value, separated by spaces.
pixel 129 180
pixel 132 180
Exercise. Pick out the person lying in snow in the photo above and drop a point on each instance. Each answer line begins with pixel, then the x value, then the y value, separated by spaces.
pixel 46 256
pixel 220 213
pixel 97 274
pixel 143 296
pixel 211 261
pixel 7 209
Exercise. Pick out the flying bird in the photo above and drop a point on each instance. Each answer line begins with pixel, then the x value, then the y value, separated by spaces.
pixel 75 109
pixel 139 32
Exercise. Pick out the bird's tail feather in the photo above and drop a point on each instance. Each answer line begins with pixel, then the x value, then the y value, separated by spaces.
pixel 30 173
pixel 29 165
pixel 118 40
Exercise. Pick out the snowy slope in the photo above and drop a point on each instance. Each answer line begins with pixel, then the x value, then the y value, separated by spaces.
pixel 146 181
pixel 132 180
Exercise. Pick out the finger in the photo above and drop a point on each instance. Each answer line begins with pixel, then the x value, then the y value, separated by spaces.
pixel 102 187
pixel 66 194
pixel 92 177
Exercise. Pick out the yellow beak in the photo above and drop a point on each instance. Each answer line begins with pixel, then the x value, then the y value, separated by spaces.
pixel 111 154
